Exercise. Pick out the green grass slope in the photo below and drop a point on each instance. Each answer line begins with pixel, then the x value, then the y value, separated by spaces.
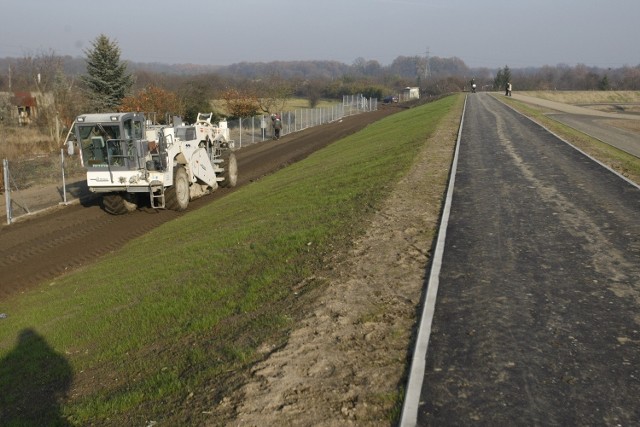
pixel 165 327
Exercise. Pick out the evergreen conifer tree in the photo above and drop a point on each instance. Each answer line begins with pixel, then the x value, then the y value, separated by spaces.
pixel 502 78
pixel 107 79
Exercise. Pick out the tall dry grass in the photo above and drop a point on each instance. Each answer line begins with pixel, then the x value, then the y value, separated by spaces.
pixel 28 146
pixel 20 142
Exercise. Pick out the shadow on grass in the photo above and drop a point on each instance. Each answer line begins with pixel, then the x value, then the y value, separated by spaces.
pixel 33 381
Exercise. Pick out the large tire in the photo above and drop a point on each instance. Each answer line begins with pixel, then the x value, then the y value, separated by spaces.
pixel 177 196
pixel 230 166
pixel 119 203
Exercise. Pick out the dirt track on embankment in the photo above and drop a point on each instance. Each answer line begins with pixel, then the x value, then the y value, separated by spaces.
pixel 57 241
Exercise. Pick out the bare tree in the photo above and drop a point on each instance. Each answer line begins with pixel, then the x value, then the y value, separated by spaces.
pixel 314 92
pixel 273 94
pixel 240 103
pixel 43 73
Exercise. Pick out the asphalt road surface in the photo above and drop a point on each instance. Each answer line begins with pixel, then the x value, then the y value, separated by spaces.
pixel 537 319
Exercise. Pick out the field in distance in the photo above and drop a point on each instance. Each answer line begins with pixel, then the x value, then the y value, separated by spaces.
pixel 627 101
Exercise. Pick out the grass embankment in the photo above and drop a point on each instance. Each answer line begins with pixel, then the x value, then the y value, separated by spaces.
pixel 165 328
pixel 623 163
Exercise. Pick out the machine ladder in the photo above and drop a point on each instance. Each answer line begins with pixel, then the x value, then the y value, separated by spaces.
pixel 156 194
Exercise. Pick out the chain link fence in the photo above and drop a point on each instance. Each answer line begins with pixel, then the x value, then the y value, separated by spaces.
pixel 32 185
pixel 256 129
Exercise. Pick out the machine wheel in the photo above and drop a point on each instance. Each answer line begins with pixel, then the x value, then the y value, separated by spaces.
pixel 177 196
pixel 230 166
pixel 119 203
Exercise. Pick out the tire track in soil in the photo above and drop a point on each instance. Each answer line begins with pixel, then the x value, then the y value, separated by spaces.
pixel 26 249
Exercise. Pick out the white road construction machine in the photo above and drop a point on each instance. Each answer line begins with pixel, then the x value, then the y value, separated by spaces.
pixel 129 160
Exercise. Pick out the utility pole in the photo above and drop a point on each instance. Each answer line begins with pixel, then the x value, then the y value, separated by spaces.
pixel 422 70
pixel 427 70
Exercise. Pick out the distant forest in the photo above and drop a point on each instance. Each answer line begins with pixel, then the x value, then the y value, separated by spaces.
pixel 435 76
pixel 250 88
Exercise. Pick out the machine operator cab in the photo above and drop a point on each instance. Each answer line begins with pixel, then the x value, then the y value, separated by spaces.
pixel 111 140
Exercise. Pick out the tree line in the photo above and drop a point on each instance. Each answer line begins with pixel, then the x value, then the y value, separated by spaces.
pixel 101 81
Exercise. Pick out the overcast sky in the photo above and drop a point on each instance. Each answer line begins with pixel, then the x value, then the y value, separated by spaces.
pixel 488 33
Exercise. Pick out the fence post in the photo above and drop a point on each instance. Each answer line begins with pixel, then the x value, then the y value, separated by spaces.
pixel 64 182
pixel 7 188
